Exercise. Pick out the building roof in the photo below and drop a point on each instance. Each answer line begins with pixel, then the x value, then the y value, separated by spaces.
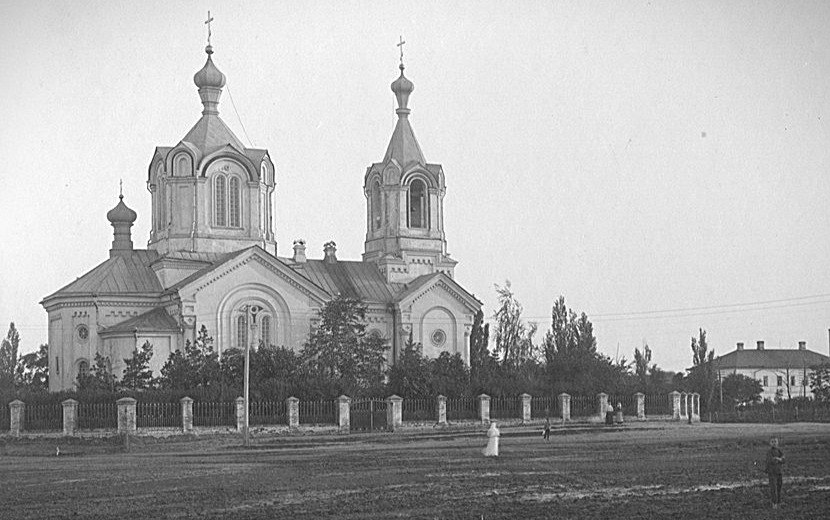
pixel 352 279
pixel 403 147
pixel 127 273
pixel 213 259
pixel 210 133
pixel 156 320
pixel 770 358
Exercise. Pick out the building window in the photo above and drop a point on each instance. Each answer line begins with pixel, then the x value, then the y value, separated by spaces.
pixel 83 333
pixel 438 337
pixel 233 202
pixel 221 198
pixel 57 366
pixel 418 207
pixel 792 380
pixel 241 331
pixel 766 381
pixel 83 368
pixel 376 209
pixel 779 381
pixel 266 330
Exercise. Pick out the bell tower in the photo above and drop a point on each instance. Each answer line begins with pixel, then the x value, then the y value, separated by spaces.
pixel 404 204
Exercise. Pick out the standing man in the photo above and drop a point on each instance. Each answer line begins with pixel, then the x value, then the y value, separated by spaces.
pixel 775 458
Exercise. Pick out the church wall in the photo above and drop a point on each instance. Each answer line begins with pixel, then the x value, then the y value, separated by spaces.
pixel 437 311
pixel 217 305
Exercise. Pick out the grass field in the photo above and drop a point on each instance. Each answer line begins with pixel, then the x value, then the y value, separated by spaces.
pixel 653 471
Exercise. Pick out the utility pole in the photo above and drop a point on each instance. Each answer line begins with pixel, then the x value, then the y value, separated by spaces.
pixel 251 312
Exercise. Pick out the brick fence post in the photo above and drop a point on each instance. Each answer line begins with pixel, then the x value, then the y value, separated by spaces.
pixel 126 415
pixel 394 412
pixel 640 398
pixel 17 417
pixel 565 406
pixel 675 405
pixel 603 405
pixel 240 414
pixel 292 404
pixel 525 407
pixel 187 414
pixel 344 413
pixel 442 410
pixel 484 408
pixel 70 416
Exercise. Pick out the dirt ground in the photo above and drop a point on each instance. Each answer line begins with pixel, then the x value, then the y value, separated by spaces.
pixel 638 471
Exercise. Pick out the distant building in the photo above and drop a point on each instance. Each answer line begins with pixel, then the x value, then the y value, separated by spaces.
pixel 212 257
pixel 782 372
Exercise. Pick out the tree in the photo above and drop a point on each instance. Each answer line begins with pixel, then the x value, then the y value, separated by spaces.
pixel 99 378
pixel 340 349
pixel 195 368
pixel 641 366
pixel 820 382
pixel 137 373
pixel 448 375
pixel 33 370
pixel 741 389
pixel 479 339
pixel 514 340
pixel 8 357
pixel 409 377
pixel 702 377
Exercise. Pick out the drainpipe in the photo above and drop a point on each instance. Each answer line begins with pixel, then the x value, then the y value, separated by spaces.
pixel 394 333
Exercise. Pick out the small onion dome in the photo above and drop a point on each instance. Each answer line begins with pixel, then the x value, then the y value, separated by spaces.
pixel 402 88
pixel 209 76
pixel 121 213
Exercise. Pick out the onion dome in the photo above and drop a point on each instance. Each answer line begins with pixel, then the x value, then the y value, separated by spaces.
pixel 121 214
pixel 402 88
pixel 209 75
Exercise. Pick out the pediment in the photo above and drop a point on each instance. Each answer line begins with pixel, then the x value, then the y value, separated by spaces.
pixel 420 288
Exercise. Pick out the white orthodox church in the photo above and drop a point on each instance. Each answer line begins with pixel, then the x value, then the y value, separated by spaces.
pixel 212 257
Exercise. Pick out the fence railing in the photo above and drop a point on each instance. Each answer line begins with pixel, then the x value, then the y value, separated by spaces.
pixel 4 417
pixel 420 410
pixel 462 408
pixel 158 415
pixel 771 412
pixel 541 407
pixel 43 417
pixel 584 406
pixel 268 412
pixel 657 404
pixel 214 413
pixel 317 412
pixel 97 416
pixel 506 408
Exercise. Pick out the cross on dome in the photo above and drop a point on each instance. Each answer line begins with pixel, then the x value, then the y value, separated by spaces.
pixel 207 22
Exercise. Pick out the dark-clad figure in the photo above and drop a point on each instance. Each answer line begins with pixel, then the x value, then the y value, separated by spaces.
pixel 775 458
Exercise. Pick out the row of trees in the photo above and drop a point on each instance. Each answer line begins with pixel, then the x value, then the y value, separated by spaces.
pixel 340 358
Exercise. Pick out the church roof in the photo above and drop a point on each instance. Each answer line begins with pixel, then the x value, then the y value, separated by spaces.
pixel 770 358
pixel 210 133
pixel 156 320
pixel 403 147
pixel 353 279
pixel 214 259
pixel 129 273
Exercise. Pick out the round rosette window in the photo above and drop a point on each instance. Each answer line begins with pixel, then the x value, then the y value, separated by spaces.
pixel 439 337
pixel 83 333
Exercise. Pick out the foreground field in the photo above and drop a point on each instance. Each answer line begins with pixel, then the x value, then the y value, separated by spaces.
pixel 659 471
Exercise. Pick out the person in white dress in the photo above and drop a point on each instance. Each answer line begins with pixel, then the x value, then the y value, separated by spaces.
pixel 492 448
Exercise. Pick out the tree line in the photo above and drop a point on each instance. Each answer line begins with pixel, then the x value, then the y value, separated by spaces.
pixel 339 357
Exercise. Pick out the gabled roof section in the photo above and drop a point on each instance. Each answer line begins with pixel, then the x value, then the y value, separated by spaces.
pixel 403 147
pixel 156 320
pixel 425 282
pixel 360 280
pixel 128 273
pixel 210 133
pixel 254 253
pixel 218 260
pixel 772 358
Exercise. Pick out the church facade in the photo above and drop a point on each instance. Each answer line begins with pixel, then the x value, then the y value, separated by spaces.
pixel 212 258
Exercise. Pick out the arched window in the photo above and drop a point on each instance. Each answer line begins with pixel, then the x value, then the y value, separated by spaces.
pixel 266 330
pixel 183 165
pixel 418 207
pixel 376 205
pixel 241 331
pixel 158 195
pixel 220 201
pixel 83 368
pixel 233 202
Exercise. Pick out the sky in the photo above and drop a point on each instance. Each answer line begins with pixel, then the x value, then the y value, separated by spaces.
pixel 662 165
